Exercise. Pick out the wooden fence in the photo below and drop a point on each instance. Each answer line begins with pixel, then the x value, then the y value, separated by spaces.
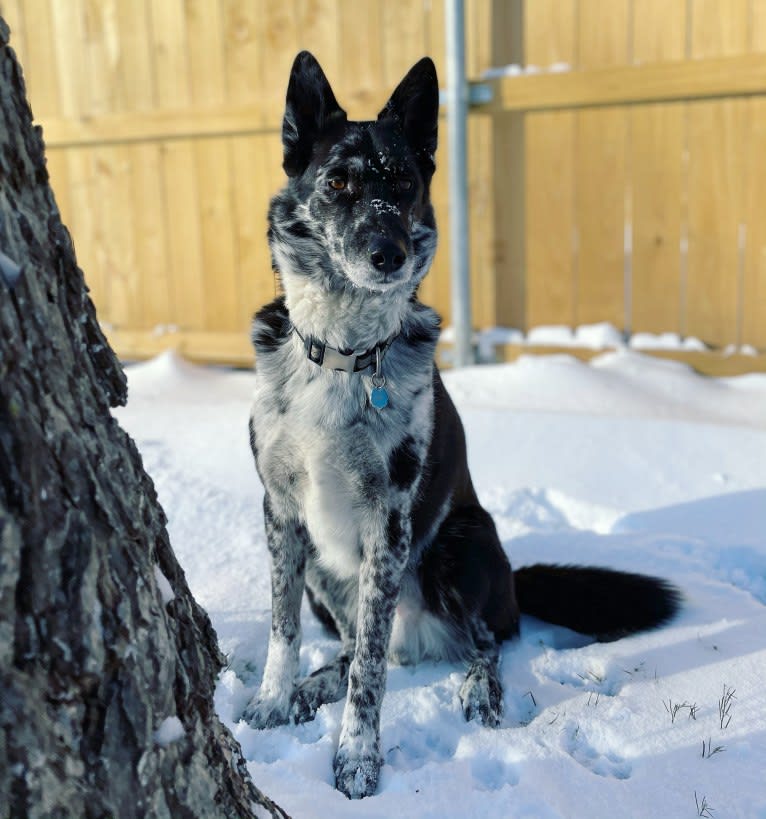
pixel 588 204
pixel 644 199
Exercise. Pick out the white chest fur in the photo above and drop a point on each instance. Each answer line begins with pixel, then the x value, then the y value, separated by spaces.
pixel 307 461
pixel 331 513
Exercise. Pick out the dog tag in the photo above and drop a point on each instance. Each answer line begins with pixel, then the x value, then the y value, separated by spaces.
pixel 379 397
pixel 378 393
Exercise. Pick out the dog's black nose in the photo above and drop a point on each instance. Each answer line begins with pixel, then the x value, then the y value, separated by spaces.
pixel 386 255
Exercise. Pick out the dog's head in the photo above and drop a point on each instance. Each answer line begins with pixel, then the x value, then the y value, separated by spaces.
pixel 356 210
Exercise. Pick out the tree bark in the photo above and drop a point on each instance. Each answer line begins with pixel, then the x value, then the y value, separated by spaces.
pixel 107 664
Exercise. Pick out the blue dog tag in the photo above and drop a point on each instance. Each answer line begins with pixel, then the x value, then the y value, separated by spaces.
pixel 379 397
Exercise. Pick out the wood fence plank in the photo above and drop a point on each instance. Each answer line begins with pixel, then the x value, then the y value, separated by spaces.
pixel 160 124
pixel 404 39
pixel 135 83
pixel 483 270
pixel 101 55
pixel 657 179
pixel 243 51
pixel 550 219
pixel 656 162
pixel 550 37
pixel 496 213
pixel 281 42
pixel 600 212
pixel 704 78
pixel 134 91
pixel 600 162
pixel 114 246
pixel 251 199
pixel 152 262
pixel 435 289
pixel 114 240
pixel 719 27
pixel 318 30
pixel 753 298
pixel 219 280
pixel 83 205
pixel 68 26
pixel 435 34
pixel 220 274
pixel 205 52
pixel 184 235
pixel 361 58
pixel 169 50
pixel 716 180
pixel 40 67
pixel 170 66
pixel 250 177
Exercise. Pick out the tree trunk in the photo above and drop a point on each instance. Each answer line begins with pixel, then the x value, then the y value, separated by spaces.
pixel 107 664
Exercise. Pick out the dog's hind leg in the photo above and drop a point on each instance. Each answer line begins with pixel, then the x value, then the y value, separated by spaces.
pixel 466 580
pixel 288 545
pixel 481 695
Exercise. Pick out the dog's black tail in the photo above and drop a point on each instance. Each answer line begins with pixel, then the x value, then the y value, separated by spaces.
pixel 604 603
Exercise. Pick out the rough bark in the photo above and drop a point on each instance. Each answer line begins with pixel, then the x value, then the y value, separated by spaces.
pixel 95 658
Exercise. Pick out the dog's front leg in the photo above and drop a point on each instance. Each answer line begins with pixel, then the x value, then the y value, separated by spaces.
pixel 385 552
pixel 287 541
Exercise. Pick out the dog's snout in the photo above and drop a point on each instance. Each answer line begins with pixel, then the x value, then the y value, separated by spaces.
pixel 386 255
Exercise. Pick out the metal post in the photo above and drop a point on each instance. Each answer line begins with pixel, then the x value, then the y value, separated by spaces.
pixel 457 122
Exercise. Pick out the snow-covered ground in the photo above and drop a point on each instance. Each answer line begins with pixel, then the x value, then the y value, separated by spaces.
pixel 628 462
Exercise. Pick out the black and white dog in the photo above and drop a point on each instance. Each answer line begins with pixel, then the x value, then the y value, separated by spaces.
pixel 369 504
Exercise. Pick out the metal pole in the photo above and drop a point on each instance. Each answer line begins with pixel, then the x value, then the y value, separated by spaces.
pixel 457 125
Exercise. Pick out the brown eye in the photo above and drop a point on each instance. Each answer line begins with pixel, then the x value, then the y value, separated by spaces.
pixel 337 183
pixel 404 183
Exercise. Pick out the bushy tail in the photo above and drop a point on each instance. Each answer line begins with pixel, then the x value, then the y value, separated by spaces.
pixel 605 603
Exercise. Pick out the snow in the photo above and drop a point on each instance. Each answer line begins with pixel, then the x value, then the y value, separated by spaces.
pixel 600 336
pixel 629 462
pixel 669 341
pixel 516 70
pixel 163 585
pixel 171 730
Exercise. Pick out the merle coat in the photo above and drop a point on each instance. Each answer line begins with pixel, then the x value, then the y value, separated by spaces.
pixel 370 509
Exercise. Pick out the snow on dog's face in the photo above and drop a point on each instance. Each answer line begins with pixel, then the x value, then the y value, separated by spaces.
pixel 356 209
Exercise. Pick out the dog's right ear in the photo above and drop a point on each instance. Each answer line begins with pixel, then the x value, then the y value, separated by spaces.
pixel 311 107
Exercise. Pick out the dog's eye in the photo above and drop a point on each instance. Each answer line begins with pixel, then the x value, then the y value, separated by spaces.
pixel 404 183
pixel 337 183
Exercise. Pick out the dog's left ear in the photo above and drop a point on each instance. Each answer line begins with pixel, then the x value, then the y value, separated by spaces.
pixel 414 106
pixel 310 109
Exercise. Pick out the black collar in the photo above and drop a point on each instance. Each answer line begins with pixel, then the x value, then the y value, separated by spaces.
pixel 321 354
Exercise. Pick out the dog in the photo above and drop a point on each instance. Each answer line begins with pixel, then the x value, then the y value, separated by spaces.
pixel 369 505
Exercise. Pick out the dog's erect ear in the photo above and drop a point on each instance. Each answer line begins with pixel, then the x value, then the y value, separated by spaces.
pixel 414 105
pixel 311 107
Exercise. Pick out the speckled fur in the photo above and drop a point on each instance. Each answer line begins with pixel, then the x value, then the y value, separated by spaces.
pixel 372 512
pixel 345 482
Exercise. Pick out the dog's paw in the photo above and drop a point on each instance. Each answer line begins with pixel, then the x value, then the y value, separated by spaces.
pixel 266 713
pixel 482 697
pixel 323 686
pixel 304 705
pixel 356 775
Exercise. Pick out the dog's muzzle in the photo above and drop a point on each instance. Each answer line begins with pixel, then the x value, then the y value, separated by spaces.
pixel 386 255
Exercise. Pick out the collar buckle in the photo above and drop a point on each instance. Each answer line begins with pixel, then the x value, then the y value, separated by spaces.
pixel 315 350
pixel 321 354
